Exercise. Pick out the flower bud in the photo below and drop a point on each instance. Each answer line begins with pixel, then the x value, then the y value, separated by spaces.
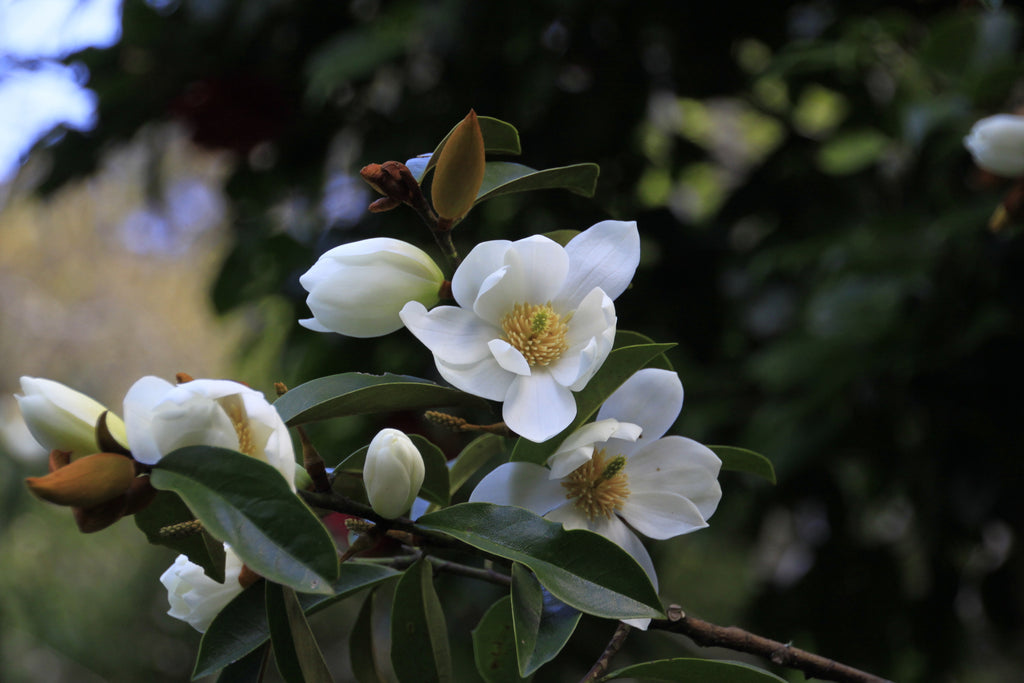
pixel 357 289
pixel 393 473
pixel 87 481
pixel 460 170
pixel 997 144
pixel 195 597
pixel 64 419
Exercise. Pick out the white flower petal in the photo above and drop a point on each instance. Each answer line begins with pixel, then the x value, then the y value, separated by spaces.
pixel 315 325
pixel 485 378
pixel 651 398
pixel 662 514
pixel 139 402
pixel 578 447
pixel 605 255
pixel 454 335
pixel 509 357
pixel 482 260
pixel 533 272
pixel 590 336
pixel 679 465
pixel 537 407
pixel 522 484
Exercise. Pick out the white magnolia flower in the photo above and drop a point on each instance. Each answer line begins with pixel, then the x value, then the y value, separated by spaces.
pixel 393 473
pixel 997 144
pixel 357 289
pixel 195 597
pixel 534 323
pixel 658 486
pixel 61 418
pixel 161 417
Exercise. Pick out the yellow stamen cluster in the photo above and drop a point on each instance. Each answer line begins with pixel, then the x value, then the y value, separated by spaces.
pixel 235 409
pixel 599 487
pixel 537 332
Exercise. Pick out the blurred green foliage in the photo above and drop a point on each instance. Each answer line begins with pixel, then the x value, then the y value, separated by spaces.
pixel 814 239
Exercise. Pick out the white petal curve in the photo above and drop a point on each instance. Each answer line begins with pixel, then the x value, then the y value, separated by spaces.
pixel 522 484
pixel 485 378
pixel 662 514
pixel 314 324
pixel 651 398
pixel 454 335
pixel 139 402
pixel 604 255
pixel 679 465
pixel 537 407
pixel 578 447
pixel 509 357
pixel 482 260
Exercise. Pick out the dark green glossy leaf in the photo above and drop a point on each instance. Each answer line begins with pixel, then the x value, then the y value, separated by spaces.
pixel 248 669
pixel 585 570
pixel 360 645
pixel 168 509
pixel 543 623
pixel 695 670
pixel 357 393
pixel 499 138
pixel 419 635
pixel 473 457
pixel 504 177
pixel 494 645
pixel 631 338
pixel 241 626
pixel 742 460
pixel 295 649
pixel 619 366
pixel 248 505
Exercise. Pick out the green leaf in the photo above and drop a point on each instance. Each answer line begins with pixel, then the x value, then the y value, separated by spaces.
pixel 168 509
pixel 499 138
pixel 247 504
pixel 419 635
pixel 702 670
pixel 619 366
pixel 248 669
pixel 736 459
pixel 630 338
pixel 241 626
pixel 295 649
pixel 357 393
pixel 360 645
pixel 543 624
pixel 494 644
pixel 580 568
pixel 504 177
pixel 435 477
pixel 474 456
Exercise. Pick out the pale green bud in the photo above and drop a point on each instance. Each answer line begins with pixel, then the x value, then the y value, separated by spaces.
pixel 393 473
pixel 64 419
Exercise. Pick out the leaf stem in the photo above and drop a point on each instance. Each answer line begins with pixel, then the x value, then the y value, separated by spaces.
pixel 706 634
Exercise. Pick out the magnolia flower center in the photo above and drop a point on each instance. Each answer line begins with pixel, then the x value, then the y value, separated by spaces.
pixel 235 409
pixel 599 487
pixel 537 332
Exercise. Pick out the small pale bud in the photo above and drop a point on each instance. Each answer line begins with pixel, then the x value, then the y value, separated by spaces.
pixel 87 481
pixel 460 170
pixel 997 144
pixel 61 418
pixel 357 289
pixel 393 473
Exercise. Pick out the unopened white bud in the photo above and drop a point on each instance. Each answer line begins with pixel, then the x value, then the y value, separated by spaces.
pixel 393 473
pixel 61 418
pixel 997 144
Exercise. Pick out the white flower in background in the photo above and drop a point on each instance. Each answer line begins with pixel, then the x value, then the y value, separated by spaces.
pixel 61 418
pixel 357 289
pixel 393 473
pixel 195 597
pixel 161 417
pixel 658 486
pixel 997 144
pixel 534 323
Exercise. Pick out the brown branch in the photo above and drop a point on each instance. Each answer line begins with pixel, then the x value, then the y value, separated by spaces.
pixel 707 634
pixel 603 662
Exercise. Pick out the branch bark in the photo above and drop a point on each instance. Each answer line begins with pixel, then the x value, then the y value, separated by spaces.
pixel 707 634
